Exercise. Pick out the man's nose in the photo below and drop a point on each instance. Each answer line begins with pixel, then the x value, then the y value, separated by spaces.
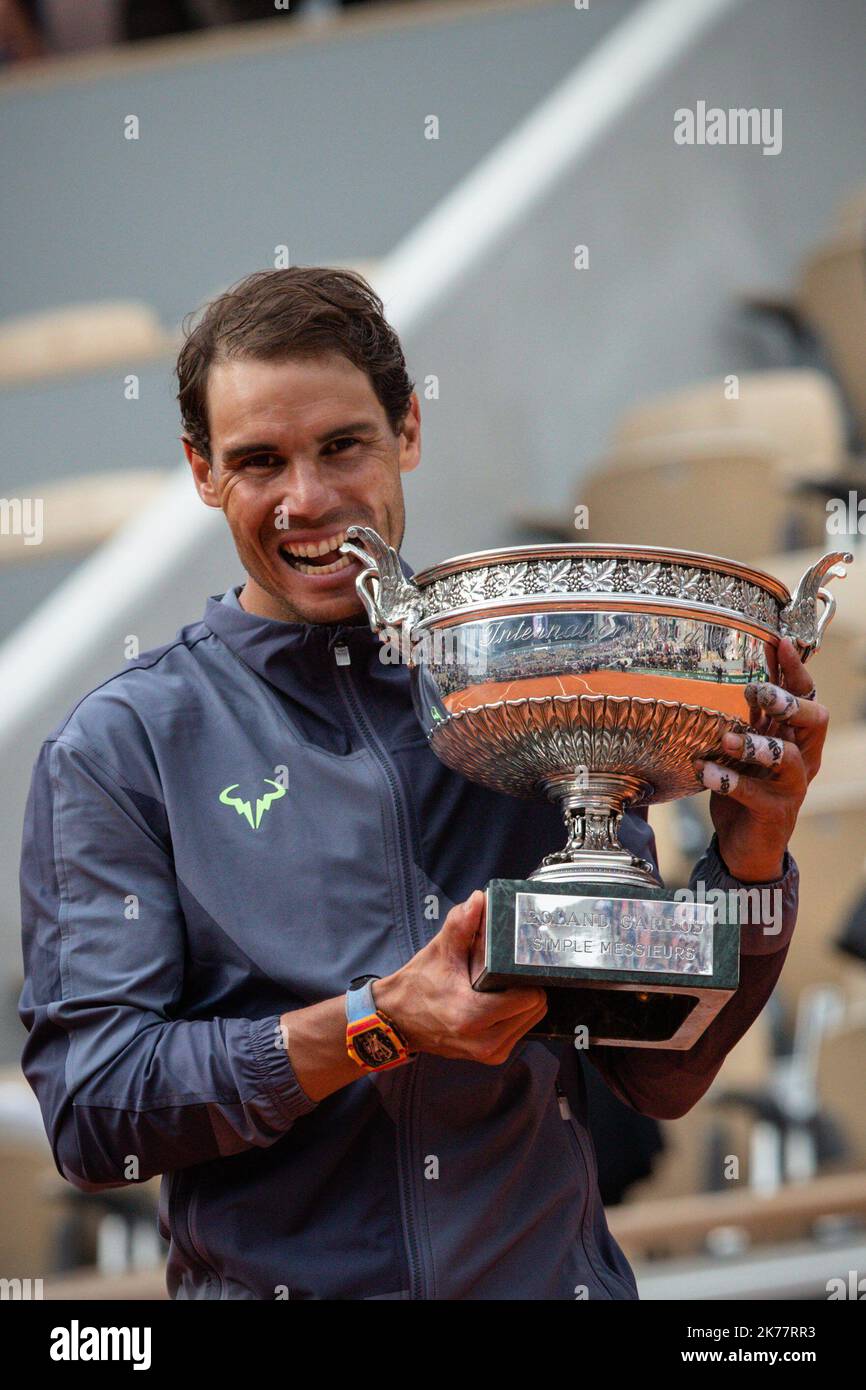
pixel 307 493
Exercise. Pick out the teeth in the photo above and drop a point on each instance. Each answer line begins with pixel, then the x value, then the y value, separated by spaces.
pixel 340 564
pixel 313 548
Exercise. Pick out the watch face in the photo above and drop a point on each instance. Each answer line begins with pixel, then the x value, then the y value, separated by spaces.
pixel 375 1048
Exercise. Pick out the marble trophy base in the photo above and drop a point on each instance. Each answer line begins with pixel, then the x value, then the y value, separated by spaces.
pixel 628 964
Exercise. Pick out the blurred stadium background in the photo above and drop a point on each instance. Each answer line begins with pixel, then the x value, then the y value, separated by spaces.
pixel 695 376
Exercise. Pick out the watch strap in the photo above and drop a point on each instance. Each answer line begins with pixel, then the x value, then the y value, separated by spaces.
pixel 373 1040
pixel 359 998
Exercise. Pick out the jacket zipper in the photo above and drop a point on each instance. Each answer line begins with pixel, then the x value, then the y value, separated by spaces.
pixel 586 1236
pixel 179 1209
pixel 356 709
pixel 406 1129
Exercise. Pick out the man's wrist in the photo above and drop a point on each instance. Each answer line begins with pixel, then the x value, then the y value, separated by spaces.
pixel 751 874
pixel 389 997
pixel 767 869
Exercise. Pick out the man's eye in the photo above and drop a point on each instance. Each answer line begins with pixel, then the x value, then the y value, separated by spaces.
pixel 343 443
pixel 261 461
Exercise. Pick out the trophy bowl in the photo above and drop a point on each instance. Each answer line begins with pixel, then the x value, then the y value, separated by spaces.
pixel 590 673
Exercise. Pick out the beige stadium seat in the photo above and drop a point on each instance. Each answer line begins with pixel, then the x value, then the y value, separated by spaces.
pixel 839 672
pixel 832 299
pixel 79 337
pixel 829 298
pixel 674 456
pixel 829 844
pixel 723 492
pixel 78 513
pixel 798 412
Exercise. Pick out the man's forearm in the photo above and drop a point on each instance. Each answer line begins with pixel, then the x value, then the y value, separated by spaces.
pixel 430 1003
pixel 315 1041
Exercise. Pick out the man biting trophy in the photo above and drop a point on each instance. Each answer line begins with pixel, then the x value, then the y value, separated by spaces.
pixel 344 1021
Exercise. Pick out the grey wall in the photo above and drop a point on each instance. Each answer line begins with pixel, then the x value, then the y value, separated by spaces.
pixel 318 145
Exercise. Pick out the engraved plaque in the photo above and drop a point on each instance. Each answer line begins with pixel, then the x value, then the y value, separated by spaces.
pixel 613 934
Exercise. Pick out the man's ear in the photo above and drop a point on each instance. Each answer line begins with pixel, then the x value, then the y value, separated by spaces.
pixel 410 436
pixel 202 474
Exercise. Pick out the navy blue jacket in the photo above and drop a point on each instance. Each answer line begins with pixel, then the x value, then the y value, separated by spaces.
pixel 166 930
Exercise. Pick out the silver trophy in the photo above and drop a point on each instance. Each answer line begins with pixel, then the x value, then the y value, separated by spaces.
pixel 593 674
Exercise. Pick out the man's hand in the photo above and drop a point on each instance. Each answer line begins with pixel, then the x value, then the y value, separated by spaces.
pixel 754 813
pixel 435 1007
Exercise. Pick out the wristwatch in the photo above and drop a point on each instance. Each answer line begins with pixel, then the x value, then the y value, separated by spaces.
pixel 372 1038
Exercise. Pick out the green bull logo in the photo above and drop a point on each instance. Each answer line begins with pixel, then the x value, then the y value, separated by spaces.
pixel 245 808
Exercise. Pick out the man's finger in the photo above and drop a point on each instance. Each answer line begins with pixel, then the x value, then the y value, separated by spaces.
pixel 785 707
pixel 506 1035
pixel 498 1007
pixel 765 750
pixel 464 919
pixel 794 675
pixel 728 782
pixel 751 789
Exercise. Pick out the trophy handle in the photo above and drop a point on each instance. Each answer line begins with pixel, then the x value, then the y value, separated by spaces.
pixel 800 619
pixel 390 599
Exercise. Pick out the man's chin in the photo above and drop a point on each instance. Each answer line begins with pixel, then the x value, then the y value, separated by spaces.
pixel 333 613
pixel 327 599
pixel 294 595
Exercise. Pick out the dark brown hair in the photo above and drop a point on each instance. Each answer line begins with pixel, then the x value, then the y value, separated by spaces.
pixel 302 311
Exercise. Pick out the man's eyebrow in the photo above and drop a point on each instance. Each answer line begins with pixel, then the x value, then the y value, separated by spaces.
pixel 356 427
pixel 238 451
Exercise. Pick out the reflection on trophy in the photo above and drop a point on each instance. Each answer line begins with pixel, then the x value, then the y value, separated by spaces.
pixel 593 674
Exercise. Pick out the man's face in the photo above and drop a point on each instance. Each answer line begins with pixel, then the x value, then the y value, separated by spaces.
pixel 300 450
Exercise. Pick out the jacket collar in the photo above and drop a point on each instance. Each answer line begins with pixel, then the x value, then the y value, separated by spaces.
pixel 283 651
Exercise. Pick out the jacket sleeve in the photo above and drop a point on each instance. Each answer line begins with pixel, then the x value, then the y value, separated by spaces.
pixel 666 1083
pixel 127 1090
